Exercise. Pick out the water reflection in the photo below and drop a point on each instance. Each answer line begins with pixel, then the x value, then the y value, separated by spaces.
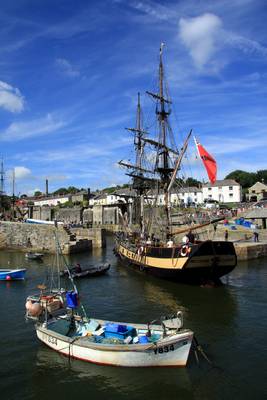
pixel 113 381
pixel 156 294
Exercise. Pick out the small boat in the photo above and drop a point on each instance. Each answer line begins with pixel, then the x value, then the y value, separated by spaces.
pixel 104 342
pixel 12 274
pixel 87 272
pixel 62 324
pixel 34 256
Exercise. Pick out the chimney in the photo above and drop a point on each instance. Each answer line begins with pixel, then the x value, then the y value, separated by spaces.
pixel 89 193
pixel 46 187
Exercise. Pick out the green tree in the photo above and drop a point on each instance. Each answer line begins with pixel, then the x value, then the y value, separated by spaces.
pixel 192 182
pixel 37 193
pixel 61 191
pixel 73 189
pixel 246 179
pixel 262 176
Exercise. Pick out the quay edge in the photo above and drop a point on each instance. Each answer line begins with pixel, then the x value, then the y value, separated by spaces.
pixel 40 238
pixel 249 251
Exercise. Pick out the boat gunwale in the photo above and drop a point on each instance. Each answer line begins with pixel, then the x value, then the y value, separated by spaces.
pixel 81 340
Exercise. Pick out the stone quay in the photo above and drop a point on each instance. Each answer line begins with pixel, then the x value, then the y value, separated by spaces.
pixel 41 238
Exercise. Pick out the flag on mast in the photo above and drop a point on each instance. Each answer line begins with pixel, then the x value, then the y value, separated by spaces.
pixel 208 161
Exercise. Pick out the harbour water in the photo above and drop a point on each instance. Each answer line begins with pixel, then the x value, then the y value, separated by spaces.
pixel 230 322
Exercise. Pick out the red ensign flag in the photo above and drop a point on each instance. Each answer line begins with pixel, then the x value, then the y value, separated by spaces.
pixel 208 161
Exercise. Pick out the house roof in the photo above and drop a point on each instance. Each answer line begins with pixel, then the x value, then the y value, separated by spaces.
pixel 81 192
pixel 42 198
pixel 100 196
pixel 223 182
pixel 191 189
pixel 127 192
pixel 258 186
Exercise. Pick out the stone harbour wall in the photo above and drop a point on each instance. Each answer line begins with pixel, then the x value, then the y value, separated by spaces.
pixel 69 215
pixel 250 251
pixel 96 235
pixel 41 238
pixel 44 213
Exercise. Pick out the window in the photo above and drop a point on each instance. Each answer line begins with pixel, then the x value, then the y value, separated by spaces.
pixel 230 187
pixel 209 188
pixel 231 195
pixel 210 196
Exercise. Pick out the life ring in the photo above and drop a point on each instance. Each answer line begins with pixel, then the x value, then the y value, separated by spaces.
pixel 140 250
pixel 185 250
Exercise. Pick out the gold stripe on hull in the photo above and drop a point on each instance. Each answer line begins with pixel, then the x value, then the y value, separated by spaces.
pixel 153 262
pixel 177 263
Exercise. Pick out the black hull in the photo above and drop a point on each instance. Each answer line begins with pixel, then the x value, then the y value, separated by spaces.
pixel 101 270
pixel 207 263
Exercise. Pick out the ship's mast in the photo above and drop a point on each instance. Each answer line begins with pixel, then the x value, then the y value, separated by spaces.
pixel 2 178
pixel 162 165
pixel 138 136
pixel 139 145
pixel 137 170
pixel 13 192
pixel 162 116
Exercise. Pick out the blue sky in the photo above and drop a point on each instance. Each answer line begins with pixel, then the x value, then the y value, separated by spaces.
pixel 70 72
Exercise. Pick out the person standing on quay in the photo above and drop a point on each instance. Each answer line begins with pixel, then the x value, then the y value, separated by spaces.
pixel 226 235
pixel 256 236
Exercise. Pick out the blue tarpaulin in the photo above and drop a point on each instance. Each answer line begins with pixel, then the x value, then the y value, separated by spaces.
pixel 72 299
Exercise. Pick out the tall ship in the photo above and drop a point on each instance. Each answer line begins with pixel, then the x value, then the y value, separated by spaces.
pixel 153 244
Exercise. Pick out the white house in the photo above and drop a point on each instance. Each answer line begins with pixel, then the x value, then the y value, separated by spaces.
pixel 120 196
pixel 98 199
pixel 51 201
pixel 188 195
pixel 185 196
pixel 224 191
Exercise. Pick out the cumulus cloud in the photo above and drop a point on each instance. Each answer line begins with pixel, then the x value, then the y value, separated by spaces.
pixel 200 35
pixel 10 98
pixel 22 172
pixel 26 129
pixel 19 173
pixel 67 68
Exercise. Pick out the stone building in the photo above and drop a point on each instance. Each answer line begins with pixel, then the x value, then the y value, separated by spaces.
pixel 257 192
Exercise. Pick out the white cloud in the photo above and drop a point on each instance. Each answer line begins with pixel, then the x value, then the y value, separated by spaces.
pixel 19 173
pixel 244 44
pixel 10 98
pixel 22 172
pixel 200 35
pixel 36 127
pixel 67 68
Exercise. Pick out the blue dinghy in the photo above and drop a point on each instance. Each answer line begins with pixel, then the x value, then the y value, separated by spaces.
pixel 12 274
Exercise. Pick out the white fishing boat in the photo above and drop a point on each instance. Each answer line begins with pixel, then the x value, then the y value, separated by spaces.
pixel 62 324
pixel 118 344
